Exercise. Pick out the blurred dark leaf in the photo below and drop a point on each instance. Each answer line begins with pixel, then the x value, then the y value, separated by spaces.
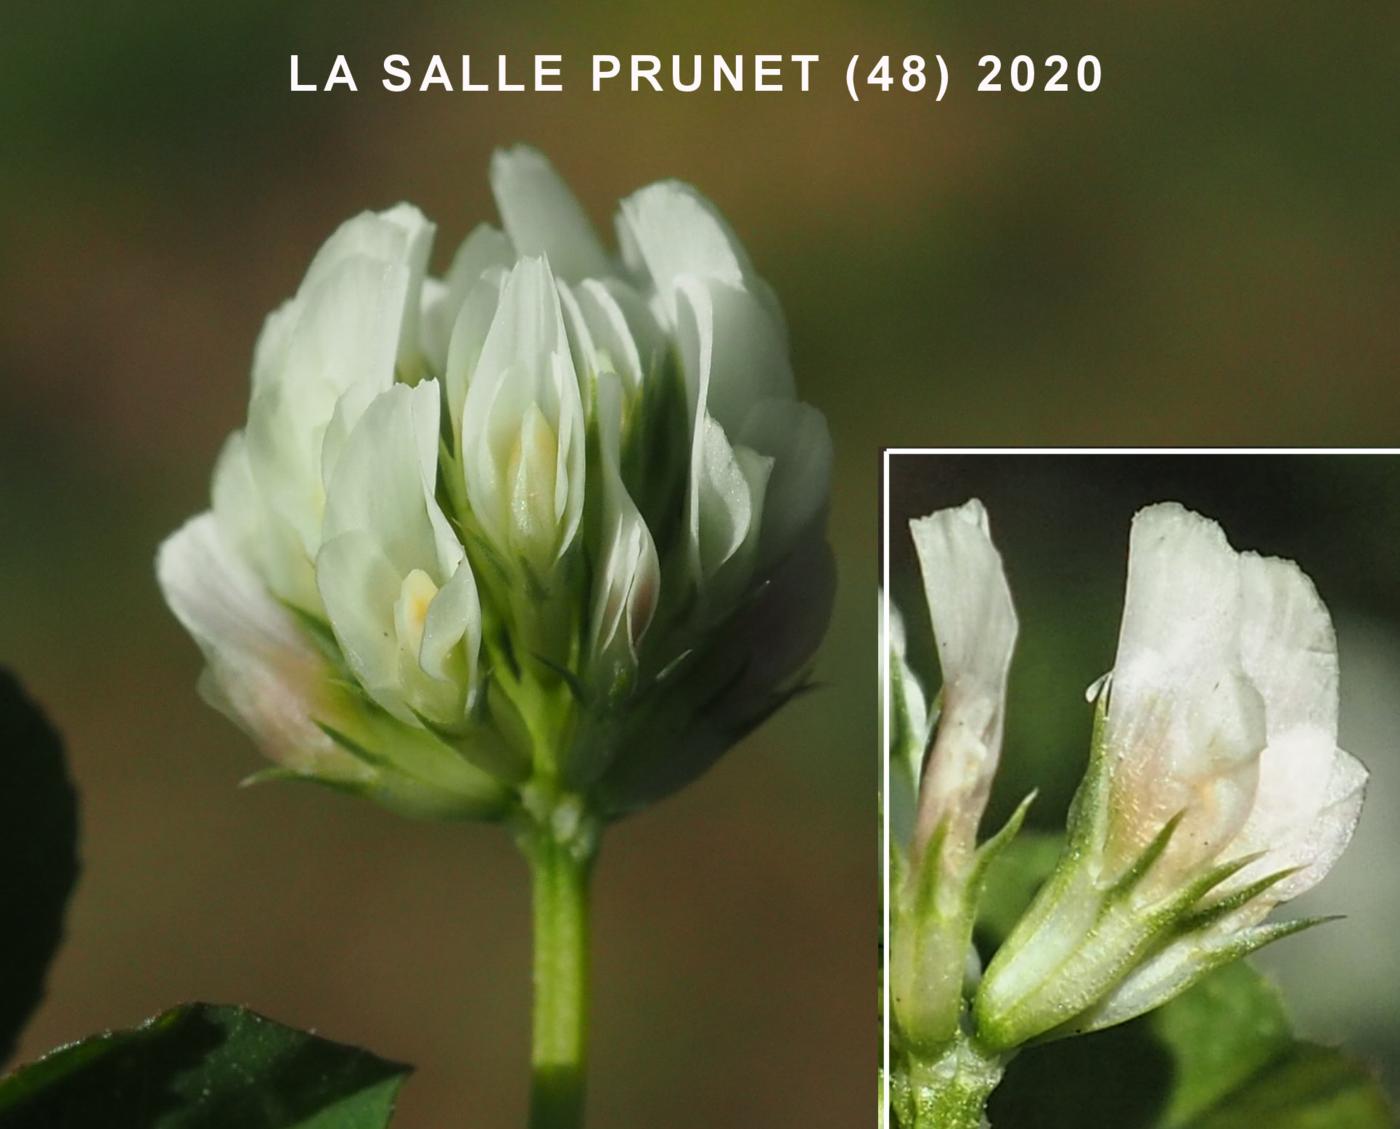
pixel 1012 881
pixel 1310 1087
pixel 1121 1078
pixel 1237 1065
pixel 203 1067
pixel 1222 1056
pixel 1221 1034
pixel 38 841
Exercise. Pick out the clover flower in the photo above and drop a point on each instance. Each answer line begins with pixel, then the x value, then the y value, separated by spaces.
pixel 1215 791
pixel 548 528
pixel 940 865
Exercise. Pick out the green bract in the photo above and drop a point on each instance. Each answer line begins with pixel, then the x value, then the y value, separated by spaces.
pixel 549 528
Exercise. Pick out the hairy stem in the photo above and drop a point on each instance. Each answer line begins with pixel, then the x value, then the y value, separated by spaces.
pixel 945 1091
pixel 560 868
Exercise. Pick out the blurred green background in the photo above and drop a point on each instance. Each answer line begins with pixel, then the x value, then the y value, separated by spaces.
pixel 1061 524
pixel 1203 251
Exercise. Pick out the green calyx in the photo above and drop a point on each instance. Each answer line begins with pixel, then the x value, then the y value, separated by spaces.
pixel 934 911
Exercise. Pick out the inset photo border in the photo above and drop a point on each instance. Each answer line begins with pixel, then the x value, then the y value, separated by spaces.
pixel 1048 960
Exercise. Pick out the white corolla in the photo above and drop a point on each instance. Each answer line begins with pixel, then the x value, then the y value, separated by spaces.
pixel 1215 792
pixel 552 523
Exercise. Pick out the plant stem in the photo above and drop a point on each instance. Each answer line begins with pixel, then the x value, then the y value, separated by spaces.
pixel 948 1090
pixel 560 868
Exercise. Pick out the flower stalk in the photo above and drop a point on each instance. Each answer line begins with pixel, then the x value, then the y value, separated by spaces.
pixel 948 1090
pixel 560 851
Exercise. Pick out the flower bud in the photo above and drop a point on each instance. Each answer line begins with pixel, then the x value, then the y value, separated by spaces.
pixel 522 427
pixel 551 525
pixel 1215 789
pixel 935 899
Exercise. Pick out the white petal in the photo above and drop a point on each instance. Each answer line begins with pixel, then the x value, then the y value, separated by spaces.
pixel 468 336
pixel 385 479
pixel 726 507
pixel 622 329
pixel 1309 793
pixel 542 217
pixel 906 724
pixel 795 436
pixel 359 586
pixel 974 625
pixel 418 245
pixel 588 360
pixel 364 236
pixel 454 617
pixel 525 375
pixel 339 356
pixel 269 678
pixel 270 351
pixel 258 533
pixel 628 583
pixel 732 353
pixel 484 251
pixel 1185 725
pixel 667 230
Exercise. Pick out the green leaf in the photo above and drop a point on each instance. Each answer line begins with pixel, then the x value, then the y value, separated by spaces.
pixel 1237 1065
pixel 203 1067
pixel 1220 1034
pixel 38 841
pixel 1220 1056
pixel 1310 1087
pixel 1013 876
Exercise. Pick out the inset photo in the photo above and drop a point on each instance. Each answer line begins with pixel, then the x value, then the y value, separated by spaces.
pixel 1141 773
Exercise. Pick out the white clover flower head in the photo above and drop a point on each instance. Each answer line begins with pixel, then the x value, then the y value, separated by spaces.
pixel 1216 790
pixel 555 519
pixel 935 900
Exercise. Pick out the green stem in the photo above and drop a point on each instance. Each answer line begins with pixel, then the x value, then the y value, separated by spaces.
pixel 948 1090
pixel 559 869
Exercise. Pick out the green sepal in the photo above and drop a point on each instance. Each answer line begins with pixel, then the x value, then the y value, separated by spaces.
pixel 1142 865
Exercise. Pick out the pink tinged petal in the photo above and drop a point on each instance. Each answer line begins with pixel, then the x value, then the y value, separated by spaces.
pixel 263 672
pixel 1185 725
pixel 975 627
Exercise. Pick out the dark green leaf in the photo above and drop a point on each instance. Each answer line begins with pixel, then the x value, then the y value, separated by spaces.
pixel 1114 1079
pixel 1221 1056
pixel 1310 1087
pixel 1220 1034
pixel 203 1067
pixel 1239 1067
pixel 38 841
